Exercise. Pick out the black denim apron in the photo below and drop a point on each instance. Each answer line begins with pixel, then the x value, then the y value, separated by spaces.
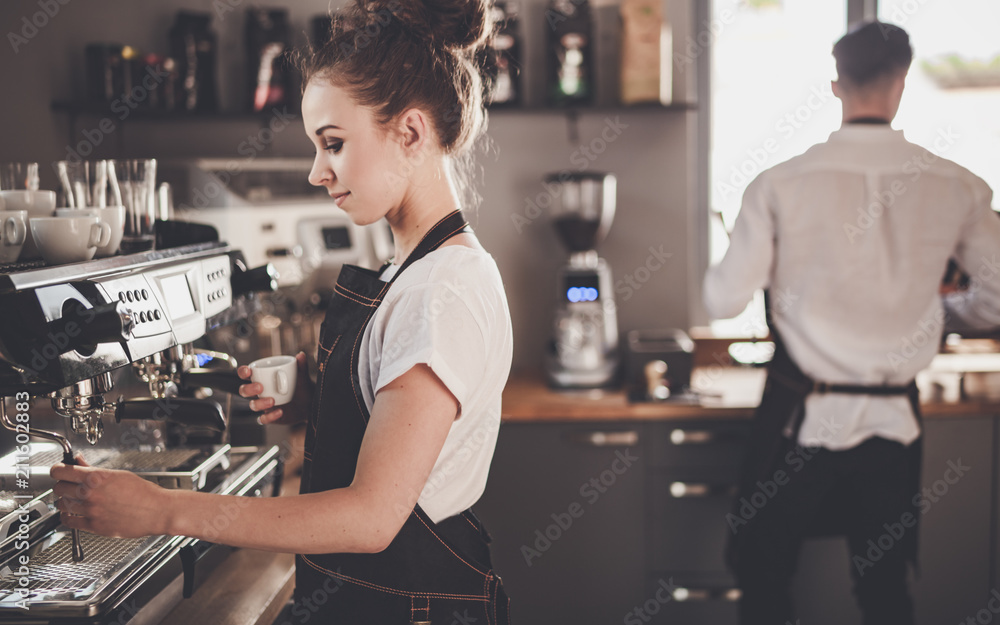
pixel 438 573
pixel 776 424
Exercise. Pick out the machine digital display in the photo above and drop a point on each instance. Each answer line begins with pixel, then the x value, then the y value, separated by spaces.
pixel 582 288
pixel 337 238
pixel 177 296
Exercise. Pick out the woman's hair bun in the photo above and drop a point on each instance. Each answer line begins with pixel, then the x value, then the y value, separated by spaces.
pixel 449 24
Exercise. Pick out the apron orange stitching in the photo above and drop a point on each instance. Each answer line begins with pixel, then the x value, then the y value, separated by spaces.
pixel 394 591
pixel 346 290
pixel 469 521
pixel 495 588
pixel 322 379
pixel 434 534
pixel 354 350
pixel 357 301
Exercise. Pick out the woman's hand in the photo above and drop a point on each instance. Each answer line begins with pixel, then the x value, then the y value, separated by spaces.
pixel 110 503
pixel 293 412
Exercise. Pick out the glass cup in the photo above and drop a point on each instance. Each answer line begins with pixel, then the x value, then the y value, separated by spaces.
pixel 19 176
pixel 133 185
pixel 84 183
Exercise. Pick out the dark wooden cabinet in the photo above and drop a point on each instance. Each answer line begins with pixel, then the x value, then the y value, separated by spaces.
pixel 564 504
pixel 645 545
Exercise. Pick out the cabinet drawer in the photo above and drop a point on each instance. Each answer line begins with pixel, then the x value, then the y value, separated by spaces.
pixel 687 527
pixel 718 445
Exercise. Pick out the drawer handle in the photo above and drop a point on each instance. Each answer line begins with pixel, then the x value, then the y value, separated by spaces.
pixel 627 438
pixel 692 437
pixel 702 595
pixel 687 490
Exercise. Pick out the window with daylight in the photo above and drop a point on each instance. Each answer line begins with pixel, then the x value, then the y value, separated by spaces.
pixel 771 100
pixel 951 104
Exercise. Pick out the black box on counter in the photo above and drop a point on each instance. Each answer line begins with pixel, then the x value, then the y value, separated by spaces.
pixel 658 359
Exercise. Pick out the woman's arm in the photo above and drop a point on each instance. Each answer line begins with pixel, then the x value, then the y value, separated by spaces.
pixel 410 419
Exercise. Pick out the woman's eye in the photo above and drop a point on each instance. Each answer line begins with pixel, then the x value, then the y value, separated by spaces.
pixel 334 146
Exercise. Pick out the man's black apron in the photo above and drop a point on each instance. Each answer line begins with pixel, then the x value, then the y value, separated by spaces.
pixel 776 425
pixel 430 572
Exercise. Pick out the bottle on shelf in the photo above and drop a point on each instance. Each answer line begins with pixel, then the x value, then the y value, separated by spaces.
pixel 569 51
pixel 504 60
pixel 193 45
pixel 267 39
pixel 645 53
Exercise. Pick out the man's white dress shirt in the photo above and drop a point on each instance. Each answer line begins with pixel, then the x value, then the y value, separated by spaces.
pixel 852 239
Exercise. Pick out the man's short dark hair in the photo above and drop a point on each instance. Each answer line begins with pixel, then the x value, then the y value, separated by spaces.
pixel 872 50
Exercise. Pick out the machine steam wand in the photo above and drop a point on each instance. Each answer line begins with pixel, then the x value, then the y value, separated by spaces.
pixel 68 459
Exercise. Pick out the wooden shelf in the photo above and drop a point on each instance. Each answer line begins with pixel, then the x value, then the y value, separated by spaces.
pixel 140 114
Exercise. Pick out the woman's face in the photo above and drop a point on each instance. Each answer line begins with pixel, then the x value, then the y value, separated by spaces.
pixel 357 161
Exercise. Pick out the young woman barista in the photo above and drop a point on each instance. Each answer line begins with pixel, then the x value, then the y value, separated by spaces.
pixel 403 418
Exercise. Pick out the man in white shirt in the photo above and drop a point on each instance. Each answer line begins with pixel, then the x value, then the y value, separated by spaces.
pixel 851 240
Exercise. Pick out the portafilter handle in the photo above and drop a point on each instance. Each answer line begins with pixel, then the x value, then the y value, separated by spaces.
pixel 183 410
pixel 82 327
pixel 224 380
pixel 263 279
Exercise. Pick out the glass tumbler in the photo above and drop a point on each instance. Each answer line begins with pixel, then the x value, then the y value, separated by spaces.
pixel 19 176
pixel 84 183
pixel 133 185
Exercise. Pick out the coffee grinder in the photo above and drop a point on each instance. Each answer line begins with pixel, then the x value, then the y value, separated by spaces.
pixel 584 348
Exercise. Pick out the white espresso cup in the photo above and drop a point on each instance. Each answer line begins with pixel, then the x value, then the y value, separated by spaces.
pixel 64 240
pixel 37 204
pixel 114 216
pixel 13 230
pixel 277 375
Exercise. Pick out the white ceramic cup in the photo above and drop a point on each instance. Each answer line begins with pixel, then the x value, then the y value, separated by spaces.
pixel 64 240
pixel 13 231
pixel 37 204
pixel 277 375
pixel 114 216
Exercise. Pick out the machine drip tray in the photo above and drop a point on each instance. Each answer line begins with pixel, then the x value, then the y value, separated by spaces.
pixel 186 468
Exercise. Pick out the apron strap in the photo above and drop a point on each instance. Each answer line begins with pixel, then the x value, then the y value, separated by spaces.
pixel 452 224
pixel 818 386
pixel 862 389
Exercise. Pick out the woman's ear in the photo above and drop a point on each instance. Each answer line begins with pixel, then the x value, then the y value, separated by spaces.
pixel 414 128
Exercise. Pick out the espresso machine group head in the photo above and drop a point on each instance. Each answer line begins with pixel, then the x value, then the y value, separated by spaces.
pixel 584 347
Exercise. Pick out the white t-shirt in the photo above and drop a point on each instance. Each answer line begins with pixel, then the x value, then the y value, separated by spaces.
pixel 448 310
pixel 852 239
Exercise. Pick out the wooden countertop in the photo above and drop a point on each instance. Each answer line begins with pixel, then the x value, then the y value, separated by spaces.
pixel 727 393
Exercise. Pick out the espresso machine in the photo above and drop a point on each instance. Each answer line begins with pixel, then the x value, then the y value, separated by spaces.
pixel 584 348
pixel 102 357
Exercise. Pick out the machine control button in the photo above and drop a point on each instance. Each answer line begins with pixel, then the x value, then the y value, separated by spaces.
pixel 145 294
pixel 156 314
pixel 142 317
pixel 136 295
pixel 121 296
pixel 128 295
